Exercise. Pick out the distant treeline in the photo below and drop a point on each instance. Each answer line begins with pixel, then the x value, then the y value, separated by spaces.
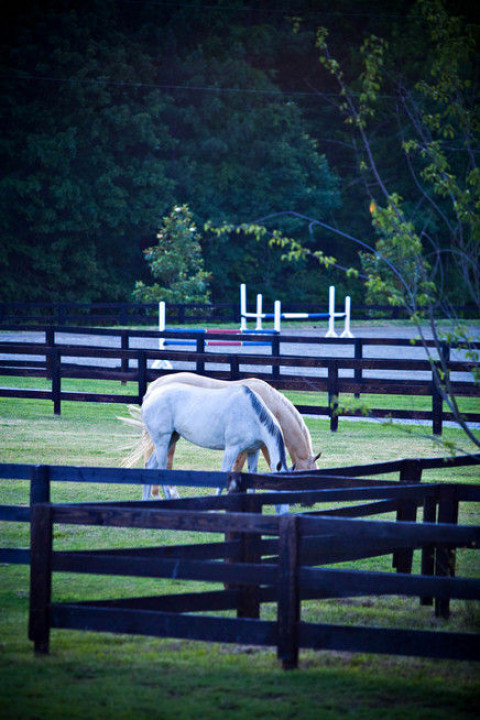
pixel 147 314
pixel 113 113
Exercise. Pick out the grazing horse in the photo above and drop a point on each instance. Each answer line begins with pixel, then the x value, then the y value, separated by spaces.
pixel 295 432
pixel 233 419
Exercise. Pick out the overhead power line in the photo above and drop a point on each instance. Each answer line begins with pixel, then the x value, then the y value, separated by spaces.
pixel 170 86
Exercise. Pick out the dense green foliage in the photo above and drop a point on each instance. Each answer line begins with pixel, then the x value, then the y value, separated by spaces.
pixel 176 263
pixel 113 113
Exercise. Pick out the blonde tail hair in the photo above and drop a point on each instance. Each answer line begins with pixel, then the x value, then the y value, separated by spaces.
pixel 143 447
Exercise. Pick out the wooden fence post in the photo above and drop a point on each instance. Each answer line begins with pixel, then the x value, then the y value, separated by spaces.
pixel 142 375
pixel 437 405
pixel 275 353
pixel 410 473
pixel 200 349
pixel 49 343
pixel 124 341
pixel 333 392
pixel 288 592
pixel 55 365
pixel 445 556
pixel 437 400
pixel 40 577
pixel 233 488
pixel 249 595
pixel 358 355
pixel 40 485
pixel 428 551
pixel 234 368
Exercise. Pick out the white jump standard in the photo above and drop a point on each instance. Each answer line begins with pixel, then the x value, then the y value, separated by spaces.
pixel 277 316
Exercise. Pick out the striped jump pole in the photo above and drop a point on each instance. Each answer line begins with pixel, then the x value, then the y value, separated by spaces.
pixel 163 342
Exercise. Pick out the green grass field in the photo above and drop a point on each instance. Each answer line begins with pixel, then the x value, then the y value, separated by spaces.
pixel 97 675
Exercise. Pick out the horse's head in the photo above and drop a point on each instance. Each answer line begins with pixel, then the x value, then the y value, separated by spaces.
pixel 308 463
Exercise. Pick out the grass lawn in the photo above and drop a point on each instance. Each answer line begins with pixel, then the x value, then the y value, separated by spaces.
pixel 94 675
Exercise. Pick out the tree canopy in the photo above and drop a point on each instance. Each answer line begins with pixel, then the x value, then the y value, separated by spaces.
pixel 114 113
pixel 176 263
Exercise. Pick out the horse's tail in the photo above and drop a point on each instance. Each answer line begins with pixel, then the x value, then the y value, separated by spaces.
pixel 143 447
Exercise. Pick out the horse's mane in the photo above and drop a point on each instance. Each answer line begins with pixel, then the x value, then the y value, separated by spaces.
pixel 265 417
pixel 282 400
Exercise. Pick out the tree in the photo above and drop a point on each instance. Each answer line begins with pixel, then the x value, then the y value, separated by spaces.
pixel 176 263
pixel 82 153
pixel 438 126
pixel 439 134
pixel 242 151
pixel 112 113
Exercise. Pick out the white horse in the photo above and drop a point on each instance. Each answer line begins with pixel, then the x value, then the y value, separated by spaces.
pixel 233 419
pixel 295 432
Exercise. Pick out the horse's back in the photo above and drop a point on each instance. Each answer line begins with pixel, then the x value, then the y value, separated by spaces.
pixel 292 423
pixel 191 392
pixel 187 378
pixel 205 417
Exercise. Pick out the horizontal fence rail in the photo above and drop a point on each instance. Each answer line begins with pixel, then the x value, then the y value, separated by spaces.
pixel 263 558
pixel 357 481
pixel 124 313
pixel 133 358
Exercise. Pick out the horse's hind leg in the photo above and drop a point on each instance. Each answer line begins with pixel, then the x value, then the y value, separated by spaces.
pixel 151 464
pixel 156 461
pixel 171 450
pixel 170 491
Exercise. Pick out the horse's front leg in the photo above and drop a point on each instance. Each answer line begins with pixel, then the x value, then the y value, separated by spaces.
pixel 252 464
pixel 228 462
pixel 237 465
pixel 252 460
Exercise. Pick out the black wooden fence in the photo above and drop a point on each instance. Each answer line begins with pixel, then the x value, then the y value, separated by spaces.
pixel 119 313
pixel 263 558
pixel 125 313
pixel 287 568
pixel 407 471
pixel 132 361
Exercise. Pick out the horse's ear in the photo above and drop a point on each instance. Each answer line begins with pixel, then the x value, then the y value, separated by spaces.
pixel 315 457
pixel 293 467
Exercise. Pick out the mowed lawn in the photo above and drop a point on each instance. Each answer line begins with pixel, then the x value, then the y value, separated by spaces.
pixel 93 675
